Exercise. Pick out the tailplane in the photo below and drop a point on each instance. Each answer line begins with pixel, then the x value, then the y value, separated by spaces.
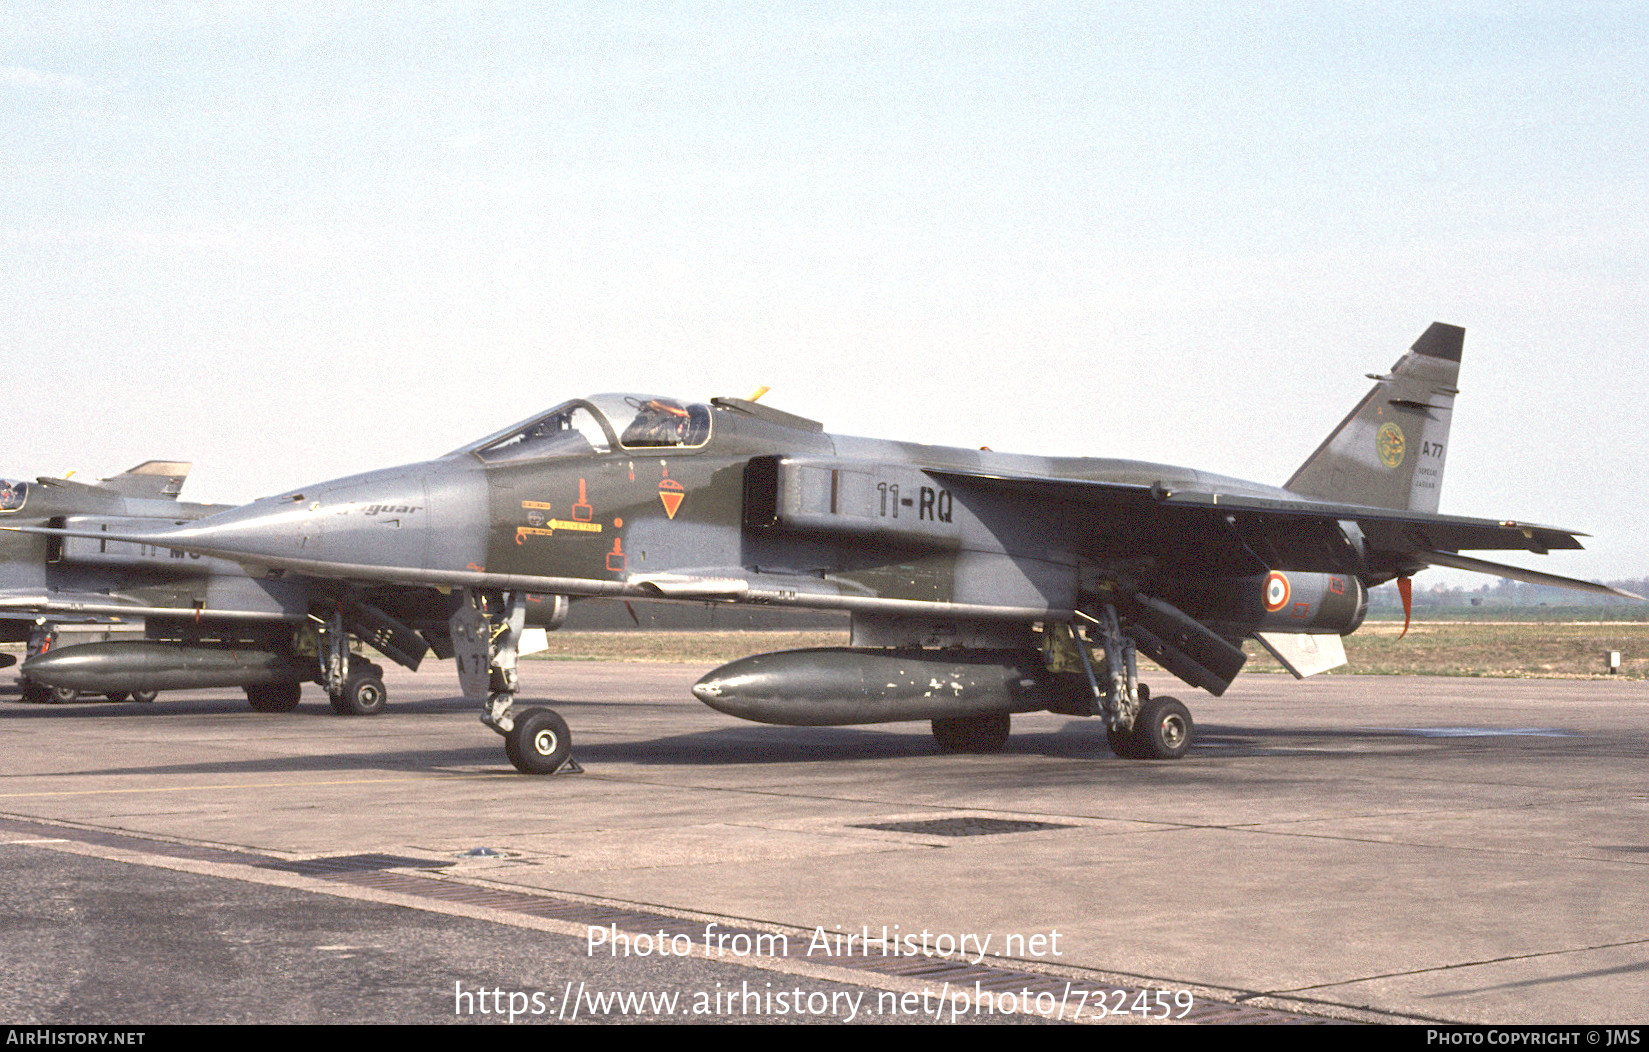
pixel 1389 452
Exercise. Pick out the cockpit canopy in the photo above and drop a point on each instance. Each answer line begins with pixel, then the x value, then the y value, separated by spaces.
pixel 599 424
pixel 13 494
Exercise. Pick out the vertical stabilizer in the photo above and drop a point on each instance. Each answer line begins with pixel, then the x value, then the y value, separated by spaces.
pixel 154 479
pixel 1389 452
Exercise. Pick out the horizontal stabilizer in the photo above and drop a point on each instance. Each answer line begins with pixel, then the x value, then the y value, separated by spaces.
pixel 1304 654
pixel 1517 573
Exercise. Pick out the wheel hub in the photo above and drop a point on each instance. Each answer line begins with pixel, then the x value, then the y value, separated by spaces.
pixel 1173 731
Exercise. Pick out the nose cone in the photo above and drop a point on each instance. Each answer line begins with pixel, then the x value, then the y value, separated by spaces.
pixel 382 518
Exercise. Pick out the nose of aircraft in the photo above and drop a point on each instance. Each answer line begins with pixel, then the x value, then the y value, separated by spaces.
pixel 382 518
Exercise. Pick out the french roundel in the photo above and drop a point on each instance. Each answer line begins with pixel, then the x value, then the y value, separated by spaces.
pixel 1276 591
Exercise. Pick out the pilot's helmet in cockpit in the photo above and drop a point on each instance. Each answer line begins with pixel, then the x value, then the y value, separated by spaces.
pixel 658 422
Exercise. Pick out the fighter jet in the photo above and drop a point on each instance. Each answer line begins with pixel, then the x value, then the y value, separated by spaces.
pixel 173 619
pixel 980 584
pixel 41 596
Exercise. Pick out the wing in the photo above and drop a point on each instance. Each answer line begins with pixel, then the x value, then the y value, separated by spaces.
pixel 1213 531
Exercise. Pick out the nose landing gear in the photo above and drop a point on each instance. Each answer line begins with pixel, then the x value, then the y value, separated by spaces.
pixel 486 631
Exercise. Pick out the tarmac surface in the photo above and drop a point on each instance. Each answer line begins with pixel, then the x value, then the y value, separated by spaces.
pixel 1382 849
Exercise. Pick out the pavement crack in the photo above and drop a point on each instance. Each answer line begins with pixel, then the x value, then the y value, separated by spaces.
pixel 1459 965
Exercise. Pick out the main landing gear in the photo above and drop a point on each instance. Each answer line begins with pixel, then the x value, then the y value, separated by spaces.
pixel 1161 731
pixel 362 692
pixel 1138 726
pixel 354 685
pixel 144 696
pixel 486 632
pixel 39 694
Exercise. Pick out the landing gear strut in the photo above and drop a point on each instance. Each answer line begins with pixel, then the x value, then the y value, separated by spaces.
pixel 486 631
pixel 1138 726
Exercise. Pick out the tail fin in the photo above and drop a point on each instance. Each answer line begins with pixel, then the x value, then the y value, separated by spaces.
pixel 155 479
pixel 1389 452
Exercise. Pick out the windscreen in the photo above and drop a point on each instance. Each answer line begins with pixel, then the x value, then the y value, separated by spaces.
pixel 571 430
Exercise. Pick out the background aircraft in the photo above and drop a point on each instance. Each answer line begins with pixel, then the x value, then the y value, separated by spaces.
pixel 179 620
pixel 42 593
pixel 979 583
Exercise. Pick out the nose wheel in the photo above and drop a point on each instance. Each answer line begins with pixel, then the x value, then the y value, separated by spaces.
pixel 540 743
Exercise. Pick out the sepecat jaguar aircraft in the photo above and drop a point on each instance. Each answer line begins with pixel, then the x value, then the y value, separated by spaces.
pixel 980 584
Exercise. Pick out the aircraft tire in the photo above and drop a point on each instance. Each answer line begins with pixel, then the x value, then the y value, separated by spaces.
pixel 274 697
pixel 65 695
pixel 145 696
pixel 1122 743
pixel 36 694
pixel 985 733
pixel 540 742
pixel 1162 731
pixel 117 695
pixel 364 693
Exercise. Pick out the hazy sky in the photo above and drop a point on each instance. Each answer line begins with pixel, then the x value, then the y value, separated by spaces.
pixel 293 241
